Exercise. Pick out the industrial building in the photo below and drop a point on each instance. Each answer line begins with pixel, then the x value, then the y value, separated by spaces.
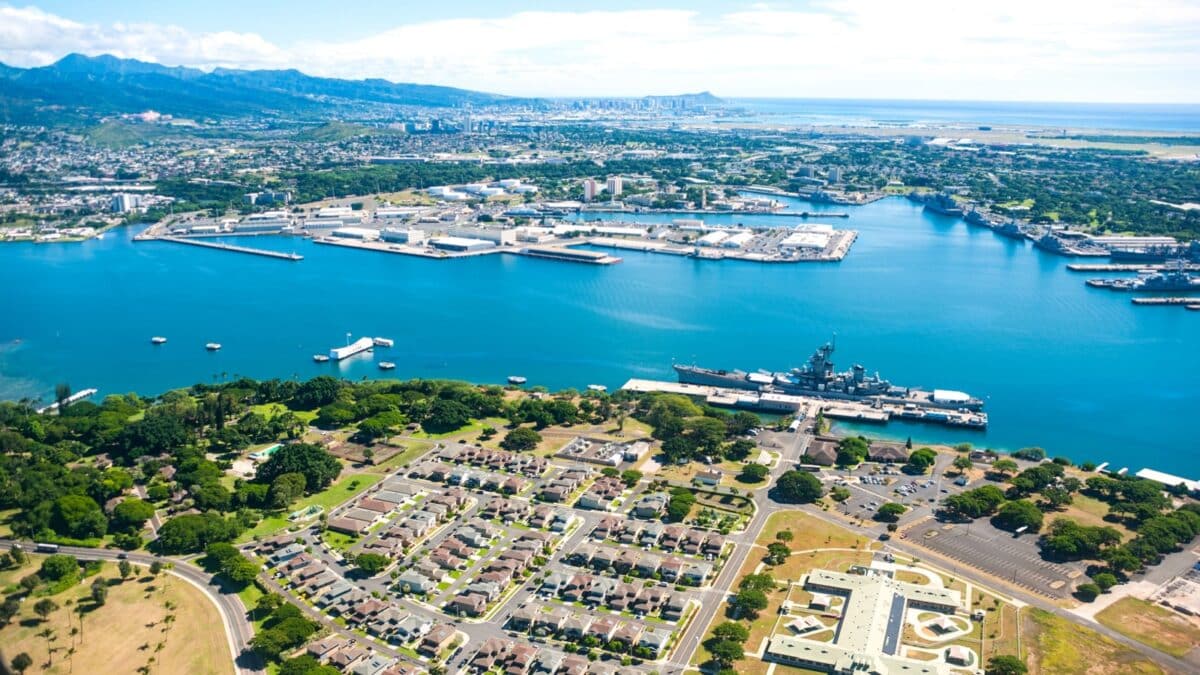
pixel 712 238
pixel 460 244
pixel 267 221
pixel 737 240
pixel 362 233
pixel 804 241
pixel 398 212
pixel 496 236
pixel 402 236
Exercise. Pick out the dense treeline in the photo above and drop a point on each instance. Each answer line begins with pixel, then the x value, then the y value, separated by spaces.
pixel 689 431
pixel 1141 505
pixel 99 471
pixel 1102 190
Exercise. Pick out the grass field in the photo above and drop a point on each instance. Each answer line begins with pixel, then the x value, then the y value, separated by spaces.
pixel 126 632
pixel 346 487
pixel 1057 646
pixel 809 532
pixel 1151 625
pixel 269 410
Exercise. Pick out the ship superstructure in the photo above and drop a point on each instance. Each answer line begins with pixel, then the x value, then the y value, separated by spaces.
pixel 819 378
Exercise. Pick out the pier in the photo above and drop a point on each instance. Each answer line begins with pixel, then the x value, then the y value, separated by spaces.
pixel 865 411
pixel 1126 267
pixel 231 247
pixel 1192 303
pixel 77 396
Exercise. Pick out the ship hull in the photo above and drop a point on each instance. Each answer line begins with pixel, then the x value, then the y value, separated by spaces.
pixel 738 380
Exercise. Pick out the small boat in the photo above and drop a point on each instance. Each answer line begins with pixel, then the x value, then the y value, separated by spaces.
pixel 383 342
pixel 597 387
pixel 516 379
pixel 386 365
pixel 320 358
pixel 213 346
pixel 156 340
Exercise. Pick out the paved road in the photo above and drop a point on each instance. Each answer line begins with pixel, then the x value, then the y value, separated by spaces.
pixel 793 449
pixel 238 630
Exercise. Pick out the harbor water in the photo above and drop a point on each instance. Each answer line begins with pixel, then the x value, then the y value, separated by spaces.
pixel 925 300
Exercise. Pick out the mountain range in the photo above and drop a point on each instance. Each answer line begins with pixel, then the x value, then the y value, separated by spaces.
pixel 80 88
pixel 91 86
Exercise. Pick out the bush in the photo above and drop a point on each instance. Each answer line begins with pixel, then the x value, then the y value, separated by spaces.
pixel 754 473
pixel 1105 580
pixel 799 487
pixel 1087 592
pixel 520 439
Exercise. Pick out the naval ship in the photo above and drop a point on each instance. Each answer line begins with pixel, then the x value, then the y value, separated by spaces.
pixel 942 203
pixel 1174 278
pixel 818 378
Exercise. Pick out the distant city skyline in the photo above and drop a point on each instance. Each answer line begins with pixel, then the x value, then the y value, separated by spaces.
pixel 1020 50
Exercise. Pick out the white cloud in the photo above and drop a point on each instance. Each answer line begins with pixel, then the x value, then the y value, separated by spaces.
pixel 1110 50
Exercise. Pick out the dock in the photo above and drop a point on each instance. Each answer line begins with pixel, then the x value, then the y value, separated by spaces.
pixel 230 247
pixel 1192 303
pixel 866 411
pixel 77 396
pixel 1126 267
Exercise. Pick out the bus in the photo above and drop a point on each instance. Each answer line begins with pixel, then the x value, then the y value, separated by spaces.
pixel 46 548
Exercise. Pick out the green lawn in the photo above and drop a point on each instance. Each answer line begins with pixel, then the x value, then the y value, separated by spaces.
pixel 474 427
pixel 269 410
pixel 345 488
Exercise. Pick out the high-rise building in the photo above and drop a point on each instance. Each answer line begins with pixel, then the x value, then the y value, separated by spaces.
pixel 613 186
pixel 589 190
pixel 834 174
pixel 124 203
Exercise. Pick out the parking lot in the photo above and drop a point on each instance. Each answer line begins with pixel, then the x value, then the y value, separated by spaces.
pixel 1015 560
pixel 869 491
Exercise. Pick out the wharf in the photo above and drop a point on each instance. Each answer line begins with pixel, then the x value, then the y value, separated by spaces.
pixel 1126 267
pixel 838 248
pixel 230 247
pixel 403 249
pixel 713 212
pixel 1189 302
pixel 850 411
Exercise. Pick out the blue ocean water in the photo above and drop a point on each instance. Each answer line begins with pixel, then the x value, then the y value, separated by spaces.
pixel 1122 116
pixel 925 300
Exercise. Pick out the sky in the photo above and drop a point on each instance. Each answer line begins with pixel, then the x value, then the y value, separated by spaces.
pixel 1136 51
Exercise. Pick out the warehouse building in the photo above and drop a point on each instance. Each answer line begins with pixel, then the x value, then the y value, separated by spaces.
pixel 461 244
pixel 402 236
pixel 361 233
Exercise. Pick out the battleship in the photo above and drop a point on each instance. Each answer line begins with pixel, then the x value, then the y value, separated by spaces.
pixel 817 378
pixel 1174 278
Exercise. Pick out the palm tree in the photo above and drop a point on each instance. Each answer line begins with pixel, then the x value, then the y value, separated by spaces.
pixel 48 635
pixel 62 392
